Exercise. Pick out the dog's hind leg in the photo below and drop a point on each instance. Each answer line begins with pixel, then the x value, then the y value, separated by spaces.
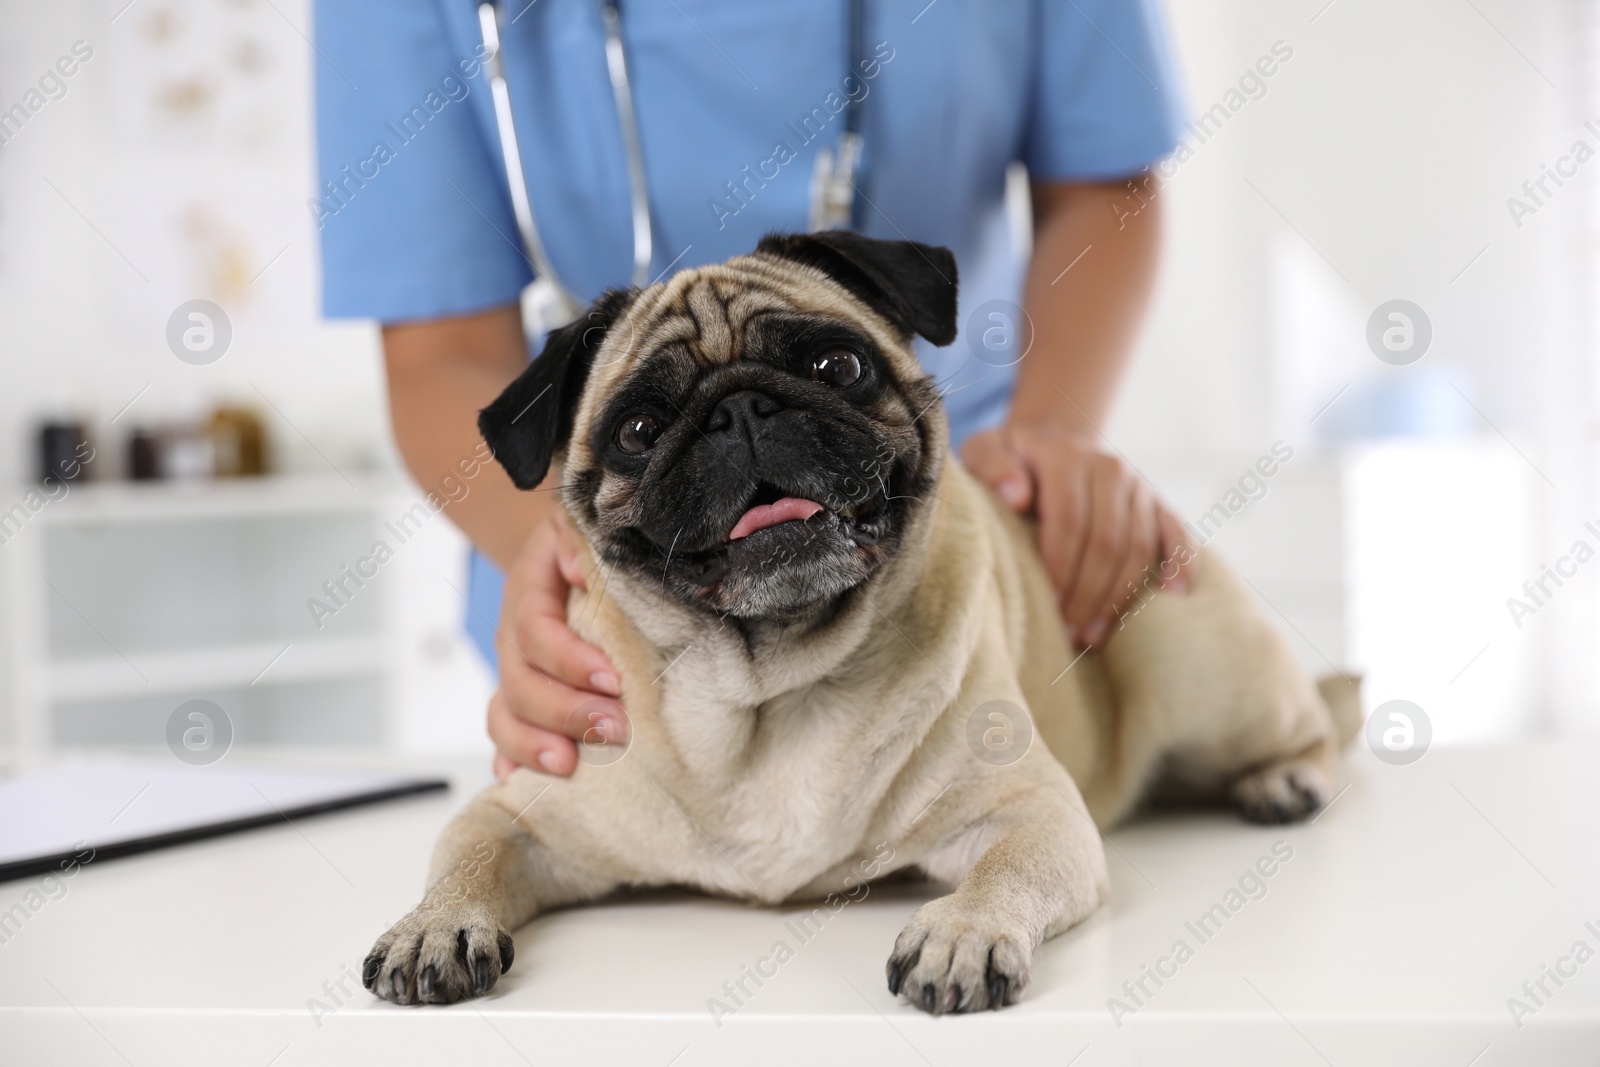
pixel 488 877
pixel 1209 682
pixel 1289 789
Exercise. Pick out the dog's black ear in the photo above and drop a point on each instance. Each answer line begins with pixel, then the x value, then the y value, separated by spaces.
pixel 912 285
pixel 532 420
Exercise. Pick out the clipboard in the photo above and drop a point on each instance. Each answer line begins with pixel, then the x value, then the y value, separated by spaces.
pixel 93 811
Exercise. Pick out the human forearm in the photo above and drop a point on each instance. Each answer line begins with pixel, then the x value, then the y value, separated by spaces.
pixel 441 372
pixel 1100 528
pixel 1088 283
pixel 553 686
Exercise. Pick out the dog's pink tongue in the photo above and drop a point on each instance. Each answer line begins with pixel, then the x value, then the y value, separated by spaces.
pixel 763 515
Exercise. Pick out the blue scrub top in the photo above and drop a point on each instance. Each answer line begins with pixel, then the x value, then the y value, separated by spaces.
pixel 734 99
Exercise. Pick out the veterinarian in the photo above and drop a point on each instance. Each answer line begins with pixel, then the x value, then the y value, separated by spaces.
pixel 710 138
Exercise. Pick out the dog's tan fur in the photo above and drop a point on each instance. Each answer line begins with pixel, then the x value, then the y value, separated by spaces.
pixel 783 773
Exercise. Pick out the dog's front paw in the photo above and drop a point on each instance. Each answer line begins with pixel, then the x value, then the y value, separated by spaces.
pixel 1284 792
pixel 954 956
pixel 438 955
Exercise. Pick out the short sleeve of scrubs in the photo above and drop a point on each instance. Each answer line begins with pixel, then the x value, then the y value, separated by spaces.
pixel 411 204
pixel 1105 98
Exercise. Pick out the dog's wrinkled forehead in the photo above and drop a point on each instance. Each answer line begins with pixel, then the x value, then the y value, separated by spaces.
pixel 702 318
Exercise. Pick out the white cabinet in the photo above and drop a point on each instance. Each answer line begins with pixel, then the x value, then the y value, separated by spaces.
pixel 122 601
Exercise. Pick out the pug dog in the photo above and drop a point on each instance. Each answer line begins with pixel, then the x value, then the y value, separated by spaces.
pixel 841 655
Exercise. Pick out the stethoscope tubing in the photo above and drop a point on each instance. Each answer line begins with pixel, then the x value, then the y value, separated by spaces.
pixel 511 154
pixel 832 204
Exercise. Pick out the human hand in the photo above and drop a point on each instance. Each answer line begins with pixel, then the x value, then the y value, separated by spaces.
pixel 1102 532
pixel 554 686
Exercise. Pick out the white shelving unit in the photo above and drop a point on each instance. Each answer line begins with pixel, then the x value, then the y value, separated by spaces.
pixel 122 601
pixel 85 678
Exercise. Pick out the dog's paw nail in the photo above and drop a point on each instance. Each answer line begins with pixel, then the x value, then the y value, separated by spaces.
pixel 508 951
pixel 481 979
pixel 425 981
pixel 397 983
pixel 952 999
pixel 997 991
pixel 369 970
pixel 894 979
pixel 928 994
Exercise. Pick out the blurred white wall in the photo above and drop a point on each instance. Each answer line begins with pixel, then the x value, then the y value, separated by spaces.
pixel 1390 142
pixel 1376 165
pixel 174 167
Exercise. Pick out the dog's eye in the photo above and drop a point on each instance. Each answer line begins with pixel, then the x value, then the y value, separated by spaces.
pixel 636 434
pixel 838 367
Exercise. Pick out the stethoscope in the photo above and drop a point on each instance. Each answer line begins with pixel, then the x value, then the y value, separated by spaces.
pixel 549 303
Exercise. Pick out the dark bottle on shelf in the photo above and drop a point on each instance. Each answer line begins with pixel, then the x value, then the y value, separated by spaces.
pixel 144 456
pixel 64 452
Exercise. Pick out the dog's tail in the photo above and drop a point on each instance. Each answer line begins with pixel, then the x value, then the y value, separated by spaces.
pixel 1342 694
